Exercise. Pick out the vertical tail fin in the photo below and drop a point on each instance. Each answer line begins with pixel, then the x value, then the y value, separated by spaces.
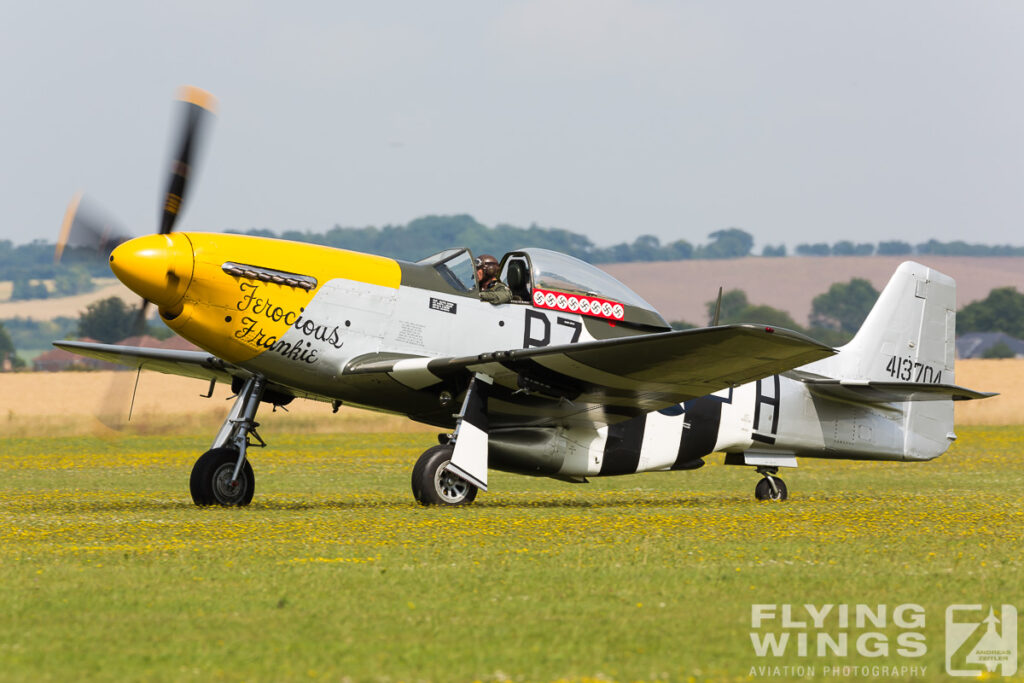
pixel 909 335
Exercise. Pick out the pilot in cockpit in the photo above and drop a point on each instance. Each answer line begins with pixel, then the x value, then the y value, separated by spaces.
pixel 492 290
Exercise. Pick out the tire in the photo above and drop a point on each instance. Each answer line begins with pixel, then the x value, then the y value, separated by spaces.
pixel 432 485
pixel 763 490
pixel 211 477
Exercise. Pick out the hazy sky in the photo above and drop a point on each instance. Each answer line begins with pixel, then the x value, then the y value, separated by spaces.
pixel 796 121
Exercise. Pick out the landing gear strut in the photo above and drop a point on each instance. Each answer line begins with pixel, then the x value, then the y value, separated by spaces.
pixel 770 487
pixel 223 475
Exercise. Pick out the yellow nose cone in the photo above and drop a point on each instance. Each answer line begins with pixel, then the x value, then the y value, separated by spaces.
pixel 156 267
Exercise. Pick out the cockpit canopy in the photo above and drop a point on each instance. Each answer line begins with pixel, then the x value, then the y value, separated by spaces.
pixel 549 279
pixel 455 266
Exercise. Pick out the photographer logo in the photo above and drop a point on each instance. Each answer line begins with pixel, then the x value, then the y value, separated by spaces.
pixel 980 640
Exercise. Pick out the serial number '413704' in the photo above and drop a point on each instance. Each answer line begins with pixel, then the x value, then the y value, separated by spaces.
pixel 909 370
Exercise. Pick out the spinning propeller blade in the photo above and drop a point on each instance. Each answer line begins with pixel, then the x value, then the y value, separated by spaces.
pixel 198 106
pixel 86 230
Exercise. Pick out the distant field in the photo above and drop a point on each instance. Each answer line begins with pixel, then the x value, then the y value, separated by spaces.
pixel 69 306
pixel 680 289
pixel 66 404
pixel 109 572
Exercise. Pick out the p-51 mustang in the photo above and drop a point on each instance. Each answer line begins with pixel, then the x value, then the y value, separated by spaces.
pixel 577 377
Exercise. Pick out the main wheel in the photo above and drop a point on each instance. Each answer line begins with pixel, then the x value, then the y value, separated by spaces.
pixel 763 490
pixel 432 484
pixel 211 479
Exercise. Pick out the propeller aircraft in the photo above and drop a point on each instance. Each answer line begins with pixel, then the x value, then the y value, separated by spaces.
pixel 576 377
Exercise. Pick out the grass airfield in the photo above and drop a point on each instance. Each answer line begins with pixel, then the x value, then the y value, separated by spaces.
pixel 334 573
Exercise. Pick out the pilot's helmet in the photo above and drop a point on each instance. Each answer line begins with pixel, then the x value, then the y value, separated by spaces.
pixel 489 265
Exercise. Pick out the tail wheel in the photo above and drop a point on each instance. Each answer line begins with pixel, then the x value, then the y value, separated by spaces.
pixel 211 481
pixel 764 490
pixel 433 484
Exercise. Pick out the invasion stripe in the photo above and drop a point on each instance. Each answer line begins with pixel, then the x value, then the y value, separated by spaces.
pixel 622 449
pixel 662 435
pixel 702 418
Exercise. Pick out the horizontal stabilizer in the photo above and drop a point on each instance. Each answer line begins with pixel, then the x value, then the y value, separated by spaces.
pixel 865 391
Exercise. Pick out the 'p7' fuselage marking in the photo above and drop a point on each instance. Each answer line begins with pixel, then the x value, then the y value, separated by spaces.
pixel 537 329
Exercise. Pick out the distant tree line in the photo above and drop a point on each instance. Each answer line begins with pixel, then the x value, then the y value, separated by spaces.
pixel 8 352
pixel 425 236
pixel 835 317
pixel 898 248
pixel 28 333
pixel 27 265
pixel 837 314
pixel 34 261
pixel 1001 311
pixel 67 281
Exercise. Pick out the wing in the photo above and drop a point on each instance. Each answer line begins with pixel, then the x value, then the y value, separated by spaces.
pixel 197 364
pixel 611 379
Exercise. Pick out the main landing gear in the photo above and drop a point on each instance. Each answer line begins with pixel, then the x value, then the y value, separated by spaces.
pixel 223 475
pixel 453 472
pixel 770 487
pixel 434 484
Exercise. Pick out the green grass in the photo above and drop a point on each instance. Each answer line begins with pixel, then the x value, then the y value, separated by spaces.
pixel 108 571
